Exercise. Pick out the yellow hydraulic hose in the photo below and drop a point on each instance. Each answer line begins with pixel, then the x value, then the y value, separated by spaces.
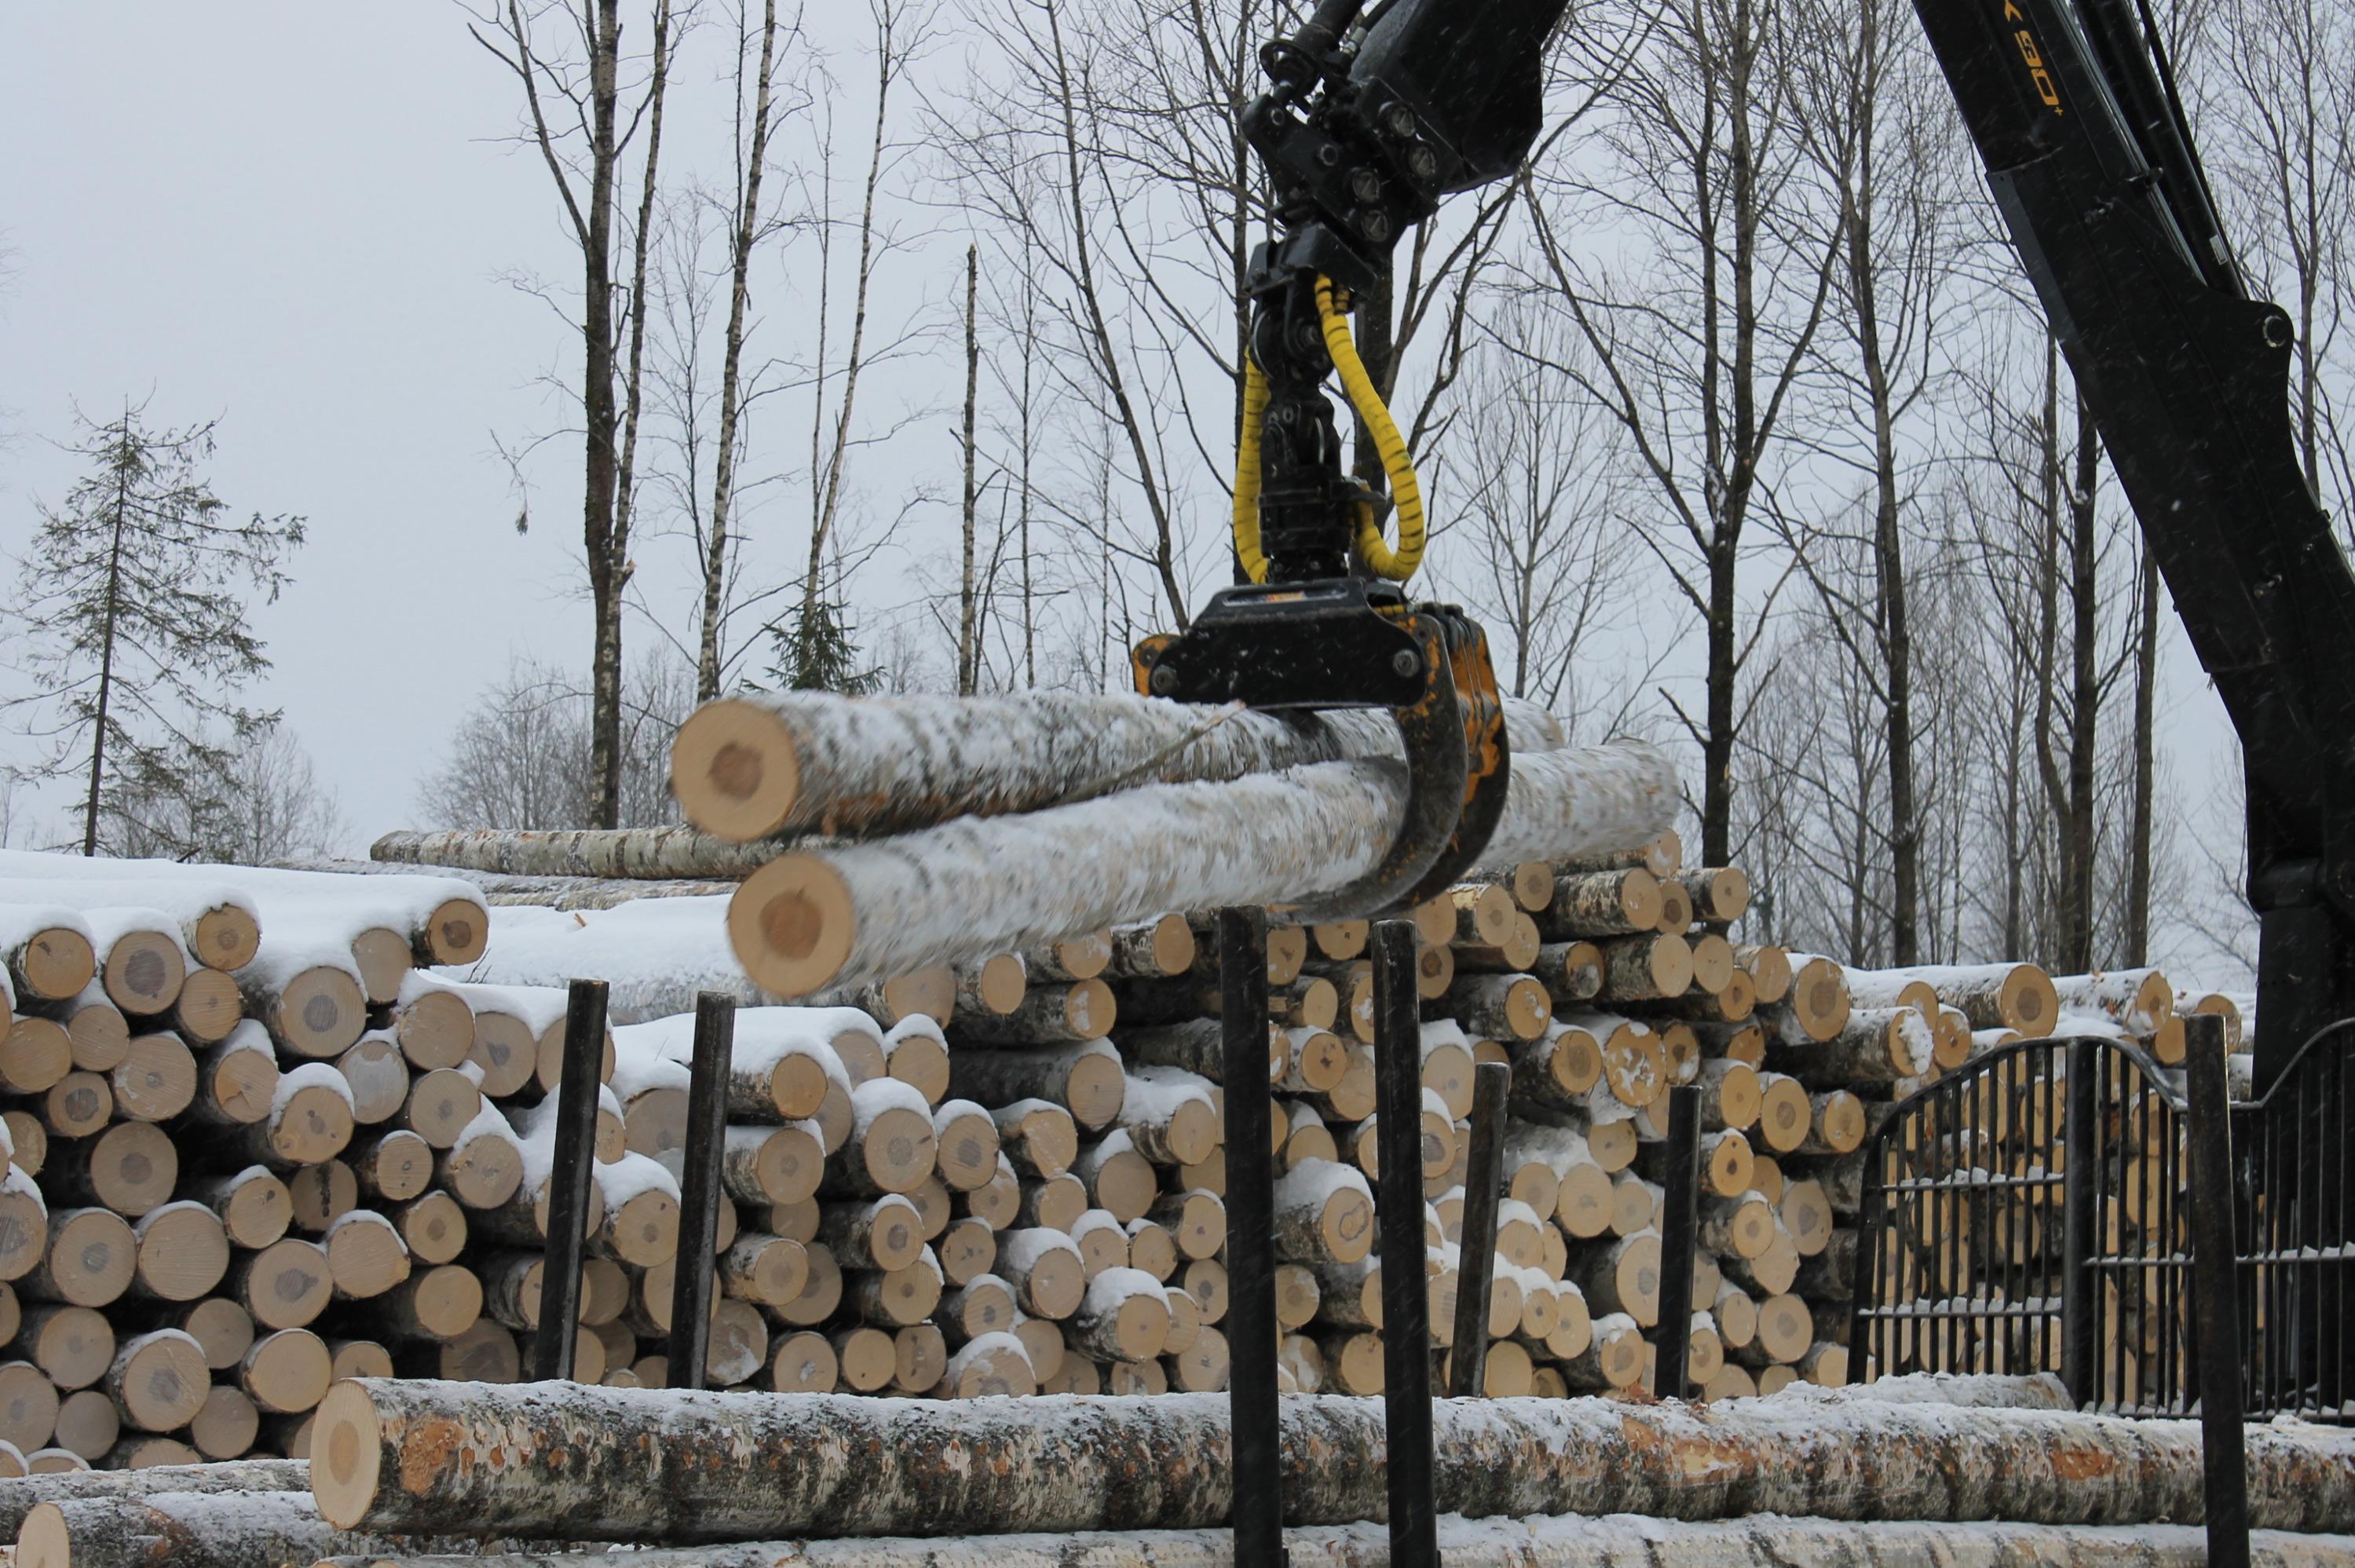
pixel 1247 549
pixel 1405 490
pixel 1397 565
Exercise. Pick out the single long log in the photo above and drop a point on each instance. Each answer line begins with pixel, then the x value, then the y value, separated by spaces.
pixel 968 889
pixel 615 1464
pixel 1569 1542
pixel 17 1497
pixel 191 1530
pixel 657 854
pixel 759 766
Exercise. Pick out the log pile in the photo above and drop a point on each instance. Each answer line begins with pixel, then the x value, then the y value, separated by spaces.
pixel 272 1128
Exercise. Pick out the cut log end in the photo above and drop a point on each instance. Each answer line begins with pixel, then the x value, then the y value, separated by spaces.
pixel 792 924
pixel 735 770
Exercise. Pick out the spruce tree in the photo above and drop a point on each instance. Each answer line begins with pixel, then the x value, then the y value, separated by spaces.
pixel 134 594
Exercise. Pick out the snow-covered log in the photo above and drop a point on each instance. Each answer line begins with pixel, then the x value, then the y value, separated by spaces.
pixel 191 1530
pixel 971 888
pixel 615 1464
pixel 441 916
pixel 2140 1000
pixel 17 1497
pixel 220 926
pixel 1560 1542
pixel 1996 996
pixel 621 854
pixel 758 766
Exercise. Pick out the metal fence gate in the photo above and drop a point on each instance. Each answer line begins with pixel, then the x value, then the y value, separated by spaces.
pixel 2292 1178
pixel 2027 1213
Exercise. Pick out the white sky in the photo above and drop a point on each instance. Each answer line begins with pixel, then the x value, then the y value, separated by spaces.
pixel 298 217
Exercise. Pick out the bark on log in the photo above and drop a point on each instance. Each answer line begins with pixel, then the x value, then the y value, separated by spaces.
pixel 1570 1541
pixel 190 1530
pixel 629 853
pixel 609 1464
pixel 18 1497
pixel 971 888
pixel 759 766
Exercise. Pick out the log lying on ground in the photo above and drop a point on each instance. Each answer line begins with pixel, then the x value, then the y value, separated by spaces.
pixel 978 886
pixel 783 763
pixel 615 1463
pixel 1567 1542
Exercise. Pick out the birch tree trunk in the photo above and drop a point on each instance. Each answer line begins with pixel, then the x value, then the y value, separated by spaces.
pixel 611 1463
pixel 745 238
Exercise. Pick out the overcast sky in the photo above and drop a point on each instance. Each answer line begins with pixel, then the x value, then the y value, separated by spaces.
pixel 300 218
pixel 297 218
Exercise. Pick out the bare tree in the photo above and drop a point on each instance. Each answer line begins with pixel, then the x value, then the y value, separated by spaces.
pixel 968 601
pixel 519 758
pixel 266 805
pixel 1876 122
pixel 2289 155
pixel 566 56
pixel 1700 313
pixel 902 32
pixel 1532 547
pixel 750 225
pixel 1028 147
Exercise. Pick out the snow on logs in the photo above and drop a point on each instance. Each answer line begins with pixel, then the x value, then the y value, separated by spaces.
pixel 774 763
pixel 966 889
pixel 611 1463
pixel 1748 1542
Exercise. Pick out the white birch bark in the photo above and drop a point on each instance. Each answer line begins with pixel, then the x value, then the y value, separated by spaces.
pixel 611 1463
pixel 759 766
pixel 1566 1541
pixel 971 888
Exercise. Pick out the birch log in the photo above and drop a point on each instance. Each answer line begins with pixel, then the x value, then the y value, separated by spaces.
pixel 188 1530
pixel 758 766
pixel 655 854
pixel 17 1497
pixel 971 888
pixel 1571 1542
pixel 615 1463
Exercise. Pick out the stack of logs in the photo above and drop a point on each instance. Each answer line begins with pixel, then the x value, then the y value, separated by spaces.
pixel 260 1138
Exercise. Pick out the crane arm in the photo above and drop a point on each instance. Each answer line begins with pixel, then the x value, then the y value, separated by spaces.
pixel 2092 164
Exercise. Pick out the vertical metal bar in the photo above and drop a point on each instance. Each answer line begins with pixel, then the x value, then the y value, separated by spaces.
pixel 1483 1181
pixel 1680 1234
pixel 2080 1303
pixel 568 1184
pixel 690 1345
pixel 1875 1254
pixel 2226 1479
pixel 1257 1438
pixel 1406 1314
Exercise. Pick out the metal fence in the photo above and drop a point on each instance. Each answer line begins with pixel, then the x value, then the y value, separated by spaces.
pixel 2026 1213
pixel 2293 1178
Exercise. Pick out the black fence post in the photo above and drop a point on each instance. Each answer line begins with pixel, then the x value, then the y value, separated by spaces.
pixel 2215 1269
pixel 2081 1293
pixel 568 1184
pixel 1406 1311
pixel 1484 1180
pixel 690 1345
pixel 1680 1228
pixel 1256 1439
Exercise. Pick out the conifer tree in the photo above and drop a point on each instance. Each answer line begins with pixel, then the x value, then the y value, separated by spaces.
pixel 133 591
